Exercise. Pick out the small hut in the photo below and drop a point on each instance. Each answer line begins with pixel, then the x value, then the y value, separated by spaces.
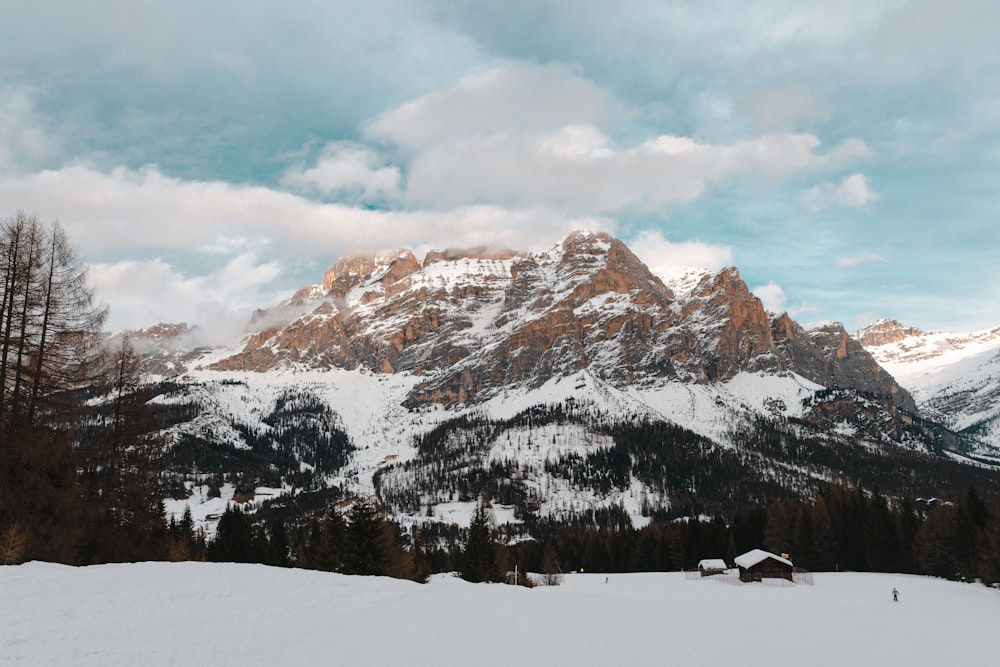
pixel 758 564
pixel 710 566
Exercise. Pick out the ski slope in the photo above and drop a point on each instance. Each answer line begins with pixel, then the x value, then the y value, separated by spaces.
pixel 227 614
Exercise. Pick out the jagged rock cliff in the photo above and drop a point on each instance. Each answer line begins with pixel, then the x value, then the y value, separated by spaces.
pixel 553 380
pixel 475 322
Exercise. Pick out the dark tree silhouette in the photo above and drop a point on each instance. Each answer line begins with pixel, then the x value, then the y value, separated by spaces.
pixel 478 556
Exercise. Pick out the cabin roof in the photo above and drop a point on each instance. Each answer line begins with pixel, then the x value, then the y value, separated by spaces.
pixel 754 556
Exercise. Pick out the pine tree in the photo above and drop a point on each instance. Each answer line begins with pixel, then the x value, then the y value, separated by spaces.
pixel 234 539
pixel 366 548
pixel 552 573
pixel 478 556
pixel 972 518
pixel 182 537
pixel 277 547
pixel 780 534
pixel 824 544
pixel 989 563
pixel 934 547
pixel 421 565
pixel 121 472
pixel 908 522
pixel 880 534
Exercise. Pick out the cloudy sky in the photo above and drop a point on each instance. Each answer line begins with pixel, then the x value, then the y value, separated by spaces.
pixel 210 157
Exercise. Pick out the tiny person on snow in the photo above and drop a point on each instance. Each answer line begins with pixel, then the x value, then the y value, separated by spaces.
pixel 895 595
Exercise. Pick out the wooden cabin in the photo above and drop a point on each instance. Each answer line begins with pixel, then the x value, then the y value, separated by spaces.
pixel 758 564
pixel 710 566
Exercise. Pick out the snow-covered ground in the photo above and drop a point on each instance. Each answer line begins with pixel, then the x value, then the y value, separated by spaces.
pixel 228 614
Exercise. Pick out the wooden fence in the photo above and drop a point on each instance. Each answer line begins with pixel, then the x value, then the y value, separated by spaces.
pixel 732 577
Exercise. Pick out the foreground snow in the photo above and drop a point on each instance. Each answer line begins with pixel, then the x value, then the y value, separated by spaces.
pixel 228 614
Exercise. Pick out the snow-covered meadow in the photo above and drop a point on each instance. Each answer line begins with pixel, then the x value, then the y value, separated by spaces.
pixel 229 614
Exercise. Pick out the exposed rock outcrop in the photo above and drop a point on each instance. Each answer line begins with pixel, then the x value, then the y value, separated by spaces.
pixel 884 332
pixel 475 322
pixel 827 355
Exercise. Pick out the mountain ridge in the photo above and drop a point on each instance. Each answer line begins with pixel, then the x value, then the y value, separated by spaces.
pixel 955 377
pixel 479 320
pixel 559 384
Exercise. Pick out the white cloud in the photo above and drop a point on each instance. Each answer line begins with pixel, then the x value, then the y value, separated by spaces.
pixel 220 302
pixel 852 191
pixel 346 167
pixel 661 255
pixel 542 136
pixel 576 141
pixel 847 262
pixel 772 296
pixel 774 299
pixel 782 108
pixel 136 210
pixel 518 100
pixel 143 212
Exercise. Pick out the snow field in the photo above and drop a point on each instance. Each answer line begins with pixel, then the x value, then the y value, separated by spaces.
pixel 229 614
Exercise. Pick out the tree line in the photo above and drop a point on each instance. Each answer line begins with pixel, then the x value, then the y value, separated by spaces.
pixel 77 482
pixel 844 527
pixel 80 480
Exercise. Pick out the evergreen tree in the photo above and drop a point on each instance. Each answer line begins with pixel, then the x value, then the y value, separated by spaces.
pixel 989 563
pixel 234 539
pixel 328 543
pixel 421 564
pixel 782 523
pixel 366 548
pixel 908 522
pixel 277 547
pixel 478 556
pixel 934 547
pixel 972 518
pixel 880 534
pixel 182 537
pixel 823 555
pixel 551 570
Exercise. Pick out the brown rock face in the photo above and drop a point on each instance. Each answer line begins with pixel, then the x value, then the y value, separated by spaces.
pixel 829 356
pixel 476 322
pixel 733 323
pixel 885 332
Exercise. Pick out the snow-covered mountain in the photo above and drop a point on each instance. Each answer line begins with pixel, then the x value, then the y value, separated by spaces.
pixel 559 384
pixel 954 377
pixel 476 323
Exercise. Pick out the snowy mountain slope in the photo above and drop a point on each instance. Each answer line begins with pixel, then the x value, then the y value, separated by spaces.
pixel 368 407
pixel 544 454
pixel 535 375
pixel 954 377
pixel 230 614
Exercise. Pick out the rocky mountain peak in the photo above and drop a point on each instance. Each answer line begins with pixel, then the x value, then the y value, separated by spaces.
pixel 826 354
pixel 885 332
pixel 471 323
pixel 353 270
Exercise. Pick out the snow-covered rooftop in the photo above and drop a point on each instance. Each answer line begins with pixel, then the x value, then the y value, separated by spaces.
pixel 754 556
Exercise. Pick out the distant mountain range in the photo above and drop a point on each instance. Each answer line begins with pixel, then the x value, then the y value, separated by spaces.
pixel 954 377
pixel 565 386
